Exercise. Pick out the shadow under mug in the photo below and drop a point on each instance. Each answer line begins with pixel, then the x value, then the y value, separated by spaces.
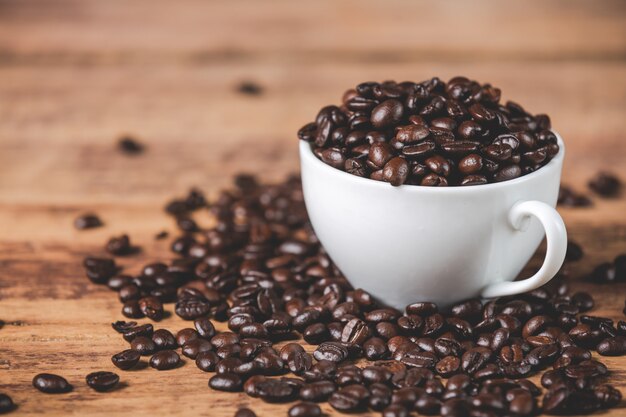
pixel 440 244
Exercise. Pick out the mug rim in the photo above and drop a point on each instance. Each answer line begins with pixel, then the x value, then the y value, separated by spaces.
pixel 306 152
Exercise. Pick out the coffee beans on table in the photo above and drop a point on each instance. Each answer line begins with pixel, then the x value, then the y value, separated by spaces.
pixel 430 133
pixel 261 271
pixel 51 384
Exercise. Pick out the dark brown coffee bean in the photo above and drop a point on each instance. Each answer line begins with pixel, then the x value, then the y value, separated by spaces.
pixel 131 333
pixel 612 346
pixel 355 332
pixel 151 307
pixel 226 382
pixel 471 164
pixel 164 339
pixel 102 381
pixel 144 345
pixel 396 171
pixel 99 270
pixel 6 404
pixel 119 246
pixel 130 145
pixel 206 361
pixel 126 359
pixel 379 154
pixel 164 360
pixel 87 221
pixel 331 351
pixel 605 184
pixel 387 114
pixel 51 384
pixel 304 409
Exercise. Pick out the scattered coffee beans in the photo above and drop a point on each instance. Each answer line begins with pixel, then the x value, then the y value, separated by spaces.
pixel 102 381
pixel 87 221
pixel 51 384
pixel 261 270
pixel 609 272
pixel 605 184
pixel 430 133
pixel 120 246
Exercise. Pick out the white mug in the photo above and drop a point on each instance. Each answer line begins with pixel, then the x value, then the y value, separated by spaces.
pixel 440 244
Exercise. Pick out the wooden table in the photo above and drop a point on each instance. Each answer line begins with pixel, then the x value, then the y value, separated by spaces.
pixel 74 75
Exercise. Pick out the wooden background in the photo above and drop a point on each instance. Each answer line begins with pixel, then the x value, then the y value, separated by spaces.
pixel 74 75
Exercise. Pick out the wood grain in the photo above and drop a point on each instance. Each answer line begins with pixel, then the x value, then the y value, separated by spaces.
pixel 74 75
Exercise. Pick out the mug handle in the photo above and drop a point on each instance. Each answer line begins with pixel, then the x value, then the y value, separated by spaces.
pixel 556 237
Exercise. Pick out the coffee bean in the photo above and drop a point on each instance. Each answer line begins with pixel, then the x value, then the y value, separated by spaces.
pixel 305 409
pixel 245 412
pixel 51 384
pixel 130 145
pixel 87 221
pixel 99 270
pixel 119 246
pixel 151 307
pixel 331 351
pixel 605 184
pixel 6 404
pixel 126 359
pixel 275 390
pixel 317 391
pixel 102 381
pixel 250 88
pixel 612 346
pixel 396 171
pixel 164 360
pixel 163 339
pixel 226 382
pixel 386 114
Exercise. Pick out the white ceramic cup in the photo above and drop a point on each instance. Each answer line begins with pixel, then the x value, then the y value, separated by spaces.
pixel 441 244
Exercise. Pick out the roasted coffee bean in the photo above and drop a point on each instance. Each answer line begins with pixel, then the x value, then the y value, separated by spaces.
pixel 275 390
pixel 131 333
pixel 605 184
pixel 6 404
pixel 102 381
pixel 245 412
pixel 226 382
pixel 317 391
pixel 163 339
pixel 396 171
pixel 192 308
pixel 144 345
pixel 51 384
pixel 164 360
pixel 387 114
pixel 126 359
pixel 612 346
pixel 99 270
pixel 119 246
pixel 206 361
pixel 305 409
pixel 350 398
pixel 186 335
pixel 192 348
pixel 331 351
pixel 132 310
pixel 121 326
pixel 151 307
pixel 87 221
pixel 130 145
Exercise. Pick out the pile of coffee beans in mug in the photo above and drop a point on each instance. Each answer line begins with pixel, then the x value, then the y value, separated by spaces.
pixel 430 133
pixel 297 331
